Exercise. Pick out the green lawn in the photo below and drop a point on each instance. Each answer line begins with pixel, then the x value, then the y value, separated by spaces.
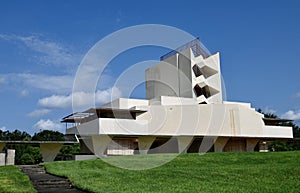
pixel 14 181
pixel 211 172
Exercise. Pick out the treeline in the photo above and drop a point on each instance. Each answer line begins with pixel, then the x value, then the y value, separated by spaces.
pixel 288 145
pixel 28 154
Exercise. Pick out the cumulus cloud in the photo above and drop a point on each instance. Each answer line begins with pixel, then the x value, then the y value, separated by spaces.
pixel 293 115
pixel 39 113
pixel 3 128
pixel 80 99
pixel 48 125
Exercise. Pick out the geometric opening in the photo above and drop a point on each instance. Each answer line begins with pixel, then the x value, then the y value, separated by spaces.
pixel 197 90
pixel 206 91
pixel 207 71
pixel 209 91
pixel 196 70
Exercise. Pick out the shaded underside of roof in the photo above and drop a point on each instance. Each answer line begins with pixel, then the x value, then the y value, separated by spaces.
pixel 95 113
pixel 275 121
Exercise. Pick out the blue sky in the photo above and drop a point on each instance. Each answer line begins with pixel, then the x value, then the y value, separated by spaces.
pixel 43 42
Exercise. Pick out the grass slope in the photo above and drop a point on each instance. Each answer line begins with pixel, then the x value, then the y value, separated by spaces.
pixel 12 180
pixel 211 172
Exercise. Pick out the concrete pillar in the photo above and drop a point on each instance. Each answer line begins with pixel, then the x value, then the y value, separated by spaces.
pixel 220 143
pixel 10 157
pixel 2 159
pixel 99 144
pixel 145 143
pixel 263 147
pixel 250 144
pixel 206 144
pixel 184 143
pixel 50 150
pixel 2 145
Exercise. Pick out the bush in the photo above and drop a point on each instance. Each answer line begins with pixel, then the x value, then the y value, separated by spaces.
pixel 26 159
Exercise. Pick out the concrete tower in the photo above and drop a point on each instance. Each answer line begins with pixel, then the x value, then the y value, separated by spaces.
pixel 189 72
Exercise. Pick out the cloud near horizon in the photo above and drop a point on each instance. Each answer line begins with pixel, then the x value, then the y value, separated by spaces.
pixel 48 124
pixel 80 99
pixel 293 115
pixel 39 113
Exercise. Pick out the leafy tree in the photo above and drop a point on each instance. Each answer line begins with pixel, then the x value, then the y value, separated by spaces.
pixel 48 135
pixel 284 146
pixel 27 154
pixel 14 136
pixel 26 159
pixel 67 151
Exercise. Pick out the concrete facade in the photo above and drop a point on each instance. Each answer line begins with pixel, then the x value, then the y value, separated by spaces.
pixel 10 157
pixel 2 159
pixel 183 107
pixel 7 158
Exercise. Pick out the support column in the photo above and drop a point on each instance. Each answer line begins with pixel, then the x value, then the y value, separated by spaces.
pixel 145 143
pixel 10 157
pixel 220 143
pixel 206 144
pixel 250 144
pixel 50 150
pixel 2 145
pixel 2 159
pixel 99 144
pixel 184 143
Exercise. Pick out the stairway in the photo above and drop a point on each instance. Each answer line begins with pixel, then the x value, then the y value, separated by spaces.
pixel 47 183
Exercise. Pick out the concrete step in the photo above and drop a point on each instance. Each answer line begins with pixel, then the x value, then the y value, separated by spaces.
pixel 47 183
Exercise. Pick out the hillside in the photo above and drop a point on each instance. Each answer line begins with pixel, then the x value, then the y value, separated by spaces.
pixel 211 172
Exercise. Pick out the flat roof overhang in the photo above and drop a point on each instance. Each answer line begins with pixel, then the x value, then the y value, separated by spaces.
pixel 275 121
pixel 38 142
pixel 94 113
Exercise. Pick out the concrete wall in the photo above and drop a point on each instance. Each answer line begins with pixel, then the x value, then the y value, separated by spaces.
pixel 124 103
pixel 231 120
pixel 175 77
pixel 7 158
pixel 2 159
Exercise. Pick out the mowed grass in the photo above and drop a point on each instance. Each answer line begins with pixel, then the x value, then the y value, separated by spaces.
pixel 12 180
pixel 210 172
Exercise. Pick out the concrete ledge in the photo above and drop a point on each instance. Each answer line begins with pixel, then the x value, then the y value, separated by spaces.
pixel 84 157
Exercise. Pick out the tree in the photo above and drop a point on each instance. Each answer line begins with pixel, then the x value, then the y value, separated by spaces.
pixel 66 152
pixel 26 159
pixel 284 146
pixel 48 135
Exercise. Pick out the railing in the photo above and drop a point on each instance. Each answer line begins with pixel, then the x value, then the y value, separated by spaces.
pixel 197 47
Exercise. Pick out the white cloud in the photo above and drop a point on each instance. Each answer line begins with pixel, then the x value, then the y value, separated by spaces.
pixel 56 101
pixel 293 115
pixel 297 95
pixel 39 112
pixel 3 128
pixel 24 93
pixel 56 84
pixel 270 110
pixel 60 84
pixel 50 52
pixel 48 125
pixel 80 99
pixel 2 79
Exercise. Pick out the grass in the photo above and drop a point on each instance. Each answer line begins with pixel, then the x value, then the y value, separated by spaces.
pixel 12 180
pixel 211 172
